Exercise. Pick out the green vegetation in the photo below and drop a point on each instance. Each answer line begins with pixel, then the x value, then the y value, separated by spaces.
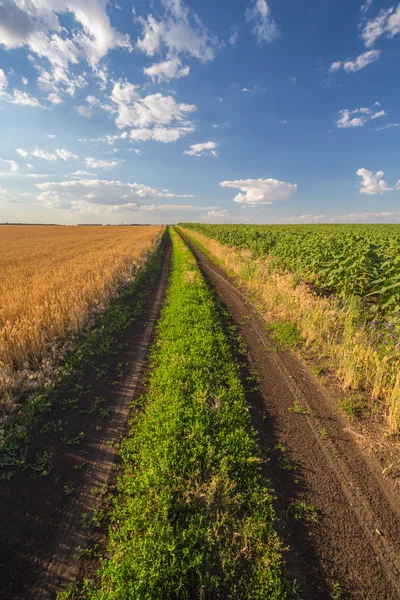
pixel 349 260
pixel 286 333
pixel 193 517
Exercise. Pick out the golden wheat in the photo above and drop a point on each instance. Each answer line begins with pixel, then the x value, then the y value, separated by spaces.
pixel 53 278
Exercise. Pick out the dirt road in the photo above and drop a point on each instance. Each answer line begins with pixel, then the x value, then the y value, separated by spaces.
pixel 42 521
pixel 340 522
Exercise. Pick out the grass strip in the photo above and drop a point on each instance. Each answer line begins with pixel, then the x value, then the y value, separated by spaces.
pixel 193 517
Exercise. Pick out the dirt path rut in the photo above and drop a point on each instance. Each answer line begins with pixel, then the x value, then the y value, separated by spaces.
pixel 351 545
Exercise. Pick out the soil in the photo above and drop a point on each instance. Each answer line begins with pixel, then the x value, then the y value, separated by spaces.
pixel 43 518
pixel 338 517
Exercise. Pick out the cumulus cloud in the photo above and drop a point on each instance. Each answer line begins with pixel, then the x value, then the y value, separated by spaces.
pixel 264 27
pixel 166 70
pixel 54 98
pixel 260 191
pixel 22 152
pixel 179 32
pixel 207 148
pixel 386 23
pixel 154 117
pixel 357 117
pixel 352 66
pixel 36 25
pixel 154 109
pixel 84 111
pixel 373 183
pixel 93 163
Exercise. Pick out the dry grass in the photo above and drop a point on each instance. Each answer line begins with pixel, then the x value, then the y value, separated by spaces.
pixel 52 279
pixel 330 328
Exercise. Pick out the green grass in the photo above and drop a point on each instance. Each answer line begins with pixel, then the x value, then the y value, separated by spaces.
pixel 286 333
pixel 193 517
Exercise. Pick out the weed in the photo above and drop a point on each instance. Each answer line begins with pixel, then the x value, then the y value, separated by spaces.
pixel 69 489
pixel 304 511
pixel 352 407
pixel 337 593
pixel 86 521
pixel 43 465
pixel 76 440
pixel 298 409
pixel 286 333
pixel 323 434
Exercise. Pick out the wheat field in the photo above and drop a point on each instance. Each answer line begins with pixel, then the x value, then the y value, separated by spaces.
pixel 52 279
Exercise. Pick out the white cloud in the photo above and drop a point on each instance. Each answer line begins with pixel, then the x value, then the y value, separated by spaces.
pixel 84 111
pixel 22 152
pixel 372 183
pixel 366 6
pixel 49 156
pixel 376 115
pixel 357 117
pixel 155 109
pixel 67 194
pixel 386 23
pixel 38 175
pixel 66 154
pixel 164 135
pixel 361 61
pixel 17 97
pixel 93 163
pixel 389 126
pixel 234 37
pixel 35 24
pixel 352 66
pixel 14 166
pixel 24 80
pixel 265 28
pixel 167 70
pixel 51 136
pixel 179 32
pixel 260 191
pixel 217 214
pixel 29 166
pixel 3 81
pixel 335 66
pixel 124 92
pixel 81 173
pixel 207 148
pixel 54 98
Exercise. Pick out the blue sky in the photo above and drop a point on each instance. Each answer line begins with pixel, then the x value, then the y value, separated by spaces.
pixel 264 111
